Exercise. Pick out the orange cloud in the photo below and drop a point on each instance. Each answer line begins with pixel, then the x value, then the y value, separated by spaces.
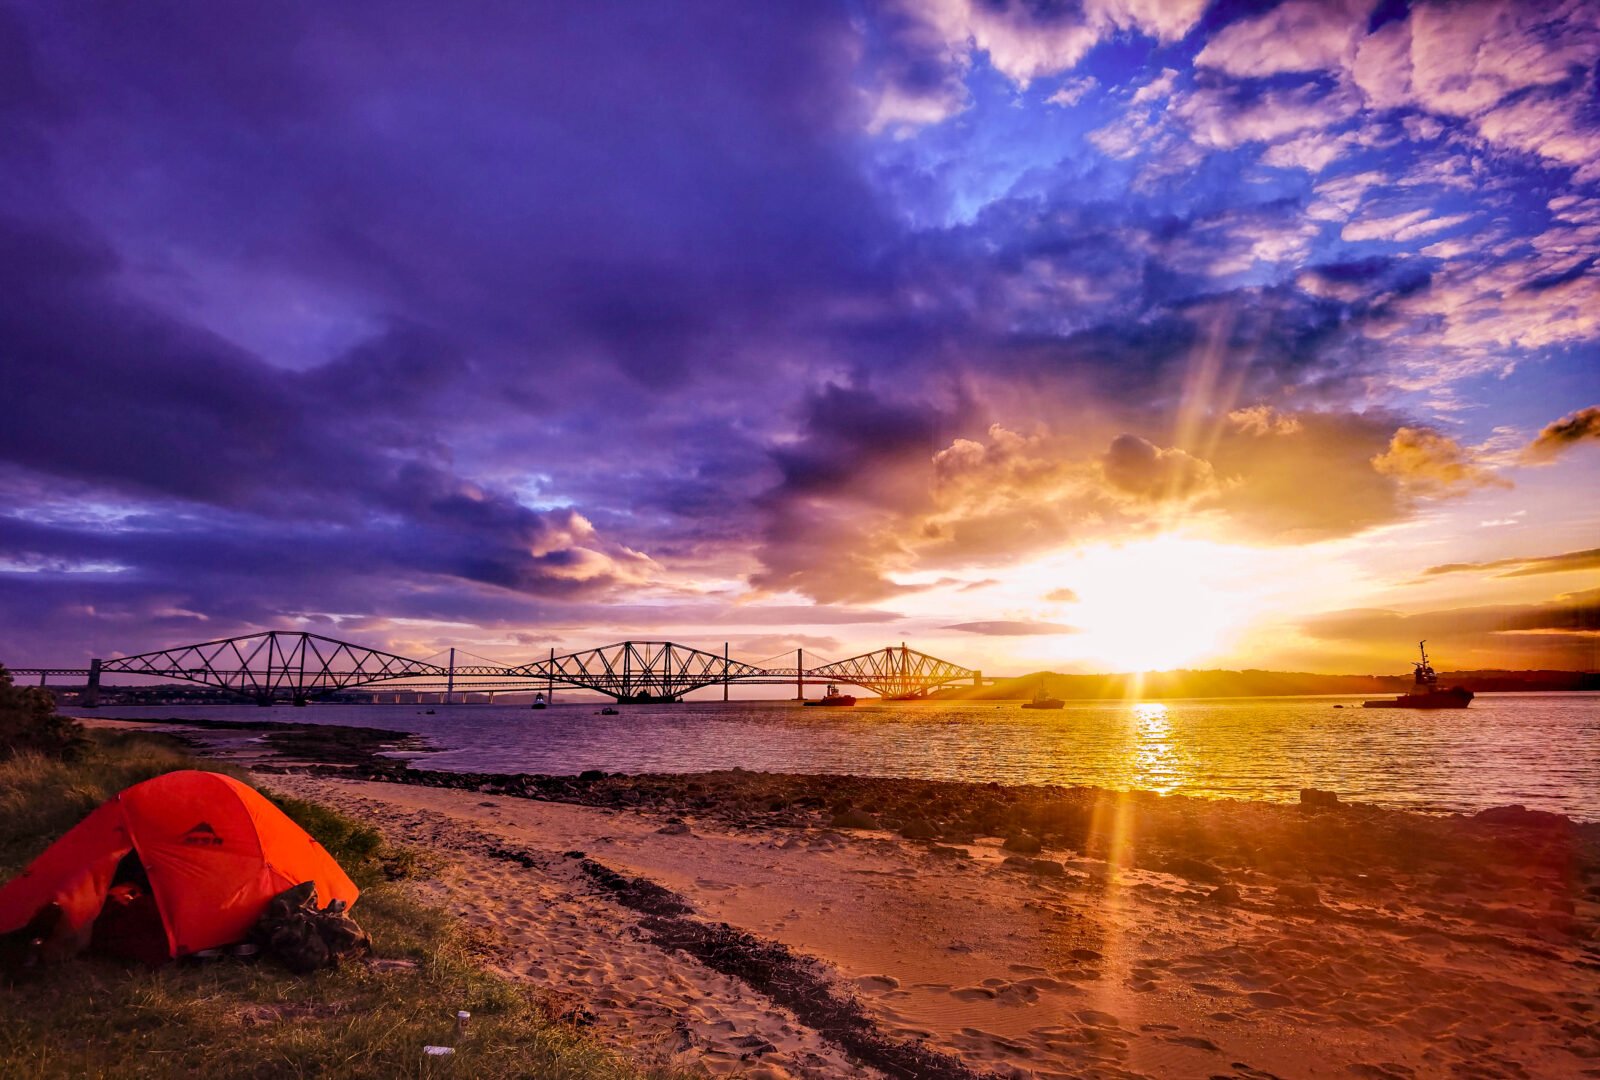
pixel 1428 464
pixel 1556 437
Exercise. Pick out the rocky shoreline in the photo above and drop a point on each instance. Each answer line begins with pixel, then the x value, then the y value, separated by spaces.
pixel 1322 842
pixel 1322 845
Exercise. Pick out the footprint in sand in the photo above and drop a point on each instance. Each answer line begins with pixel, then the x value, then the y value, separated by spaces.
pixel 974 993
pixel 1265 999
pixel 878 982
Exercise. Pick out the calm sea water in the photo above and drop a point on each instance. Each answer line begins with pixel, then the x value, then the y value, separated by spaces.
pixel 1542 750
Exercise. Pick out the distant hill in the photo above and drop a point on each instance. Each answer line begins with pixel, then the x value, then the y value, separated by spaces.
pixel 1252 683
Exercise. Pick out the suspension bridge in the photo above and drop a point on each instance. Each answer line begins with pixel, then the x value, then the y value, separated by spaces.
pixel 296 666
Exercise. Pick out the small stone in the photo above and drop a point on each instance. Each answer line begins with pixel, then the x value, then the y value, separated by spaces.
pixel 854 819
pixel 1300 895
pixel 1313 799
pixel 1195 870
pixel 1226 893
pixel 676 828
pixel 1023 844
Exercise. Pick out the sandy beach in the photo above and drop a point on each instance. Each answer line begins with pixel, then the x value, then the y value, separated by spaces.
pixel 1176 938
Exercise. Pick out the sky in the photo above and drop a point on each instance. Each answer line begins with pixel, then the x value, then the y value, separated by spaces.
pixel 1105 335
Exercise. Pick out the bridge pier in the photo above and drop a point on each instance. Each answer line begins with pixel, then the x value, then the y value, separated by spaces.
pixel 91 689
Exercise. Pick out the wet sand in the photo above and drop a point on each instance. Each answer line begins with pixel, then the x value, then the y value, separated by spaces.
pixel 1149 937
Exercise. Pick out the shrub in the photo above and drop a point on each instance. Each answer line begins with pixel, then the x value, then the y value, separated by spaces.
pixel 29 723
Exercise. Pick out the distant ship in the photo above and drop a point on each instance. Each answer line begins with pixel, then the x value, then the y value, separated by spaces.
pixel 1425 692
pixel 1042 700
pixel 833 697
pixel 539 702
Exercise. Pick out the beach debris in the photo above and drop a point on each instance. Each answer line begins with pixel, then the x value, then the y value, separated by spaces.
pixel 438 1051
pixel 639 894
pixel 1313 799
pixel 753 1045
pixel 1023 844
pixel 854 819
pixel 463 1018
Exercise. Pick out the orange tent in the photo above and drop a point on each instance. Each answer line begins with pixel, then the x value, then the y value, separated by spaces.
pixel 213 850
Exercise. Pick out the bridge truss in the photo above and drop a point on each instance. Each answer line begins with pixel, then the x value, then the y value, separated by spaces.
pixel 295 665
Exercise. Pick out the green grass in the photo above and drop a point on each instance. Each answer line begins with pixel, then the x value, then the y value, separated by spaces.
pixel 95 1017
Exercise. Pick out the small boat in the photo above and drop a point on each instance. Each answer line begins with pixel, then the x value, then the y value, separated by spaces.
pixel 1042 700
pixel 427 712
pixel 539 702
pixel 1425 692
pixel 608 711
pixel 834 698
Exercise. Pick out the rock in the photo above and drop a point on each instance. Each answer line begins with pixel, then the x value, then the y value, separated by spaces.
pixel 943 852
pixel 1300 895
pixel 854 819
pixel 1023 844
pixel 1194 870
pixel 919 829
pixel 588 775
pixel 1042 867
pixel 1312 799
pixel 1225 894
pixel 676 828
pixel 1520 815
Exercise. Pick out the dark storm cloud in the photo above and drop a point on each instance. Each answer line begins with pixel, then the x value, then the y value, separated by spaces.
pixel 585 194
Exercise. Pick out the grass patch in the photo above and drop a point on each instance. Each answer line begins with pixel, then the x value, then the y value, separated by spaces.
pixel 96 1017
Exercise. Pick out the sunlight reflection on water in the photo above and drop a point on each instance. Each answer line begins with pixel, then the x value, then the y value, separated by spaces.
pixel 1542 750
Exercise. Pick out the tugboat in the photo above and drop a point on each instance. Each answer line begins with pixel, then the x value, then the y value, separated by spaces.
pixel 539 702
pixel 607 711
pixel 1042 700
pixel 1425 693
pixel 834 698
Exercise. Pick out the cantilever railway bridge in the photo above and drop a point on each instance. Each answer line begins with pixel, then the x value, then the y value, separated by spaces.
pixel 297 666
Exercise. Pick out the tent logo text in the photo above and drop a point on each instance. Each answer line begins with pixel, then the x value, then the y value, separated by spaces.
pixel 202 835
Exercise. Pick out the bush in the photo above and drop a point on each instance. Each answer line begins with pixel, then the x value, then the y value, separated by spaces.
pixel 29 722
